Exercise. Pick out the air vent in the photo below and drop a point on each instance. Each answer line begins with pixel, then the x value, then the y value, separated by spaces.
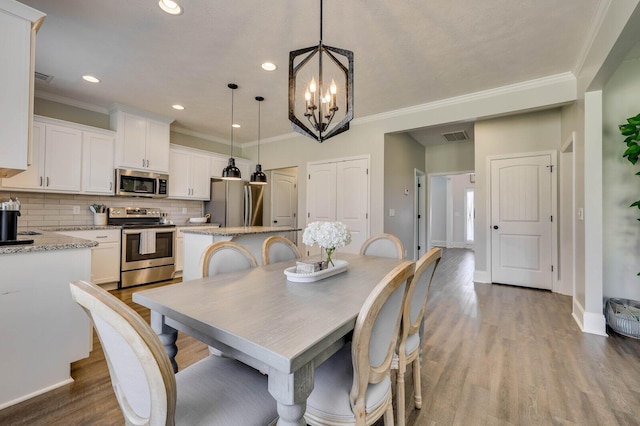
pixel 43 77
pixel 456 136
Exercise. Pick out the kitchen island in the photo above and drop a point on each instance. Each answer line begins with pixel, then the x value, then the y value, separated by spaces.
pixel 251 237
pixel 43 331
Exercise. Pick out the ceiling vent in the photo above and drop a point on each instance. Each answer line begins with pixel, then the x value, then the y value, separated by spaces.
pixel 456 136
pixel 43 77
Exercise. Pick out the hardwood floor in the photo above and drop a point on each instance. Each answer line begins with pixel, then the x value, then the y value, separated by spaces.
pixel 493 355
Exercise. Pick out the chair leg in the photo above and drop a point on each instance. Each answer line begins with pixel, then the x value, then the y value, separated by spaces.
pixel 417 385
pixel 400 394
pixel 388 416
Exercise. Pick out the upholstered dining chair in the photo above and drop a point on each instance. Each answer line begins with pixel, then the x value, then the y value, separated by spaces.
pixel 353 387
pixel 410 335
pixel 223 257
pixel 278 249
pixel 226 256
pixel 213 391
pixel 383 245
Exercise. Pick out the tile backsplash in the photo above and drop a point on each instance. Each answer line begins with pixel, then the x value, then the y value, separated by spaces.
pixel 44 209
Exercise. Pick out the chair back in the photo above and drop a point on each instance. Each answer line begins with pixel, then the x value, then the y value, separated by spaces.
pixel 226 256
pixel 278 249
pixel 417 293
pixel 383 245
pixel 141 374
pixel 376 332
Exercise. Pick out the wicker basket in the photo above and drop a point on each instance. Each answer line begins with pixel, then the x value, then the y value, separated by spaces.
pixel 623 316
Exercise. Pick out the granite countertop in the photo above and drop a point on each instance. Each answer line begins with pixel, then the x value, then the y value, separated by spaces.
pixel 46 241
pixel 69 228
pixel 241 230
pixel 188 224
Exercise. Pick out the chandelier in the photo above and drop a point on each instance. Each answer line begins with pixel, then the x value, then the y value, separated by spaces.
pixel 321 100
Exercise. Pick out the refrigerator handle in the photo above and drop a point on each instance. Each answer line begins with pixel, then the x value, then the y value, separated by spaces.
pixel 247 205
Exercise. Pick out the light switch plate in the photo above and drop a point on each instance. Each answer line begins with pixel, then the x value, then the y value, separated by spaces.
pixel 184 210
pixel 392 212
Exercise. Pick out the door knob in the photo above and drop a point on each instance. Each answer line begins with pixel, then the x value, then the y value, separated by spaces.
pixel 275 221
pixel 495 226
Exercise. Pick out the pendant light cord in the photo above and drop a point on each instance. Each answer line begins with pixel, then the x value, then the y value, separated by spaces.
pixel 259 132
pixel 232 90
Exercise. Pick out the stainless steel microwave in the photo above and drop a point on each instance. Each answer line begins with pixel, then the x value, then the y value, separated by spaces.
pixel 136 183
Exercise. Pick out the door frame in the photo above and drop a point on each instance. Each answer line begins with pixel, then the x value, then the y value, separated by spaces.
pixel 554 208
pixel 419 224
pixel 448 195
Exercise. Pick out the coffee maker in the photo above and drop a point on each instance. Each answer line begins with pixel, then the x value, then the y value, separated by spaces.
pixel 9 212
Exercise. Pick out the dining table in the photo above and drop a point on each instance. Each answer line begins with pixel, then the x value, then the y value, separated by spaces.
pixel 283 328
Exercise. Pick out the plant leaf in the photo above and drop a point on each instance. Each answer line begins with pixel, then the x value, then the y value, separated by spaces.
pixel 627 129
pixel 632 153
pixel 636 204
pixel 634 120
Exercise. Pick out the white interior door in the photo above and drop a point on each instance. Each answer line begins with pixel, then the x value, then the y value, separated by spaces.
pixel 352 207
pixel 284 201
pixel 521 222
pixel 321 192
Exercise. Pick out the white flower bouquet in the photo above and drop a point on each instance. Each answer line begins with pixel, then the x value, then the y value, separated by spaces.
pixel 328 235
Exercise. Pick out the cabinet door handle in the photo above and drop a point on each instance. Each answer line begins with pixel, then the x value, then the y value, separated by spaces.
pixel 110 186
pixel 102 236
pixel 47 180
pixel 143 162
pixel 147 163
pixel 40 180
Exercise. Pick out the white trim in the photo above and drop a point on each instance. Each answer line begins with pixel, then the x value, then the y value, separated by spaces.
pixel 472 97
pixel 481 277
pixel 457 244
pixel 36 393
pixel 554 196
pixel 419 201
pixel 589 322
pixel 22 11
pixel 136 111
pixel 71 102
pixel 449 223
pixel 438 243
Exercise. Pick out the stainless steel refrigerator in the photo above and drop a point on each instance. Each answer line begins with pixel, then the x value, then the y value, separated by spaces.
pixel 235 203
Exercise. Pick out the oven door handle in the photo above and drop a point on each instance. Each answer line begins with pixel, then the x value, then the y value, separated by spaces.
pixel 139 231
pixel 131 231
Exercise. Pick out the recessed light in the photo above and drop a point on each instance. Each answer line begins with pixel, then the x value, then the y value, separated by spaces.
pixel 178 107
pixel 90 78
pixel 268 66
pixel 235 126
pixel 170 6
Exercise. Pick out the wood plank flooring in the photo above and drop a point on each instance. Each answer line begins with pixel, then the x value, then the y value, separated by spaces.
pixel 493 355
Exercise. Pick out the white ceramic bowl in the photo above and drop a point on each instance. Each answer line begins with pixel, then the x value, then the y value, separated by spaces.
pixel 198 220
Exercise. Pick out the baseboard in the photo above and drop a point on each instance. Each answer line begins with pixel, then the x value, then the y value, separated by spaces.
pixel 481 277
pixel 589 322
pixel 36 393
pixel 438 243
pixel 458 245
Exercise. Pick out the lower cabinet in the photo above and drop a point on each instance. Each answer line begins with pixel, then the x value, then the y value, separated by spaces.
pixel 179 247
pixel 105 257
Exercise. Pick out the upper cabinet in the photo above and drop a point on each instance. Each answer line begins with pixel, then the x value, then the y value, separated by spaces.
pixel 67 157
pixel 18 26
pixel 142 141
pixel 56 160
pixel 97 162
pixel 189 174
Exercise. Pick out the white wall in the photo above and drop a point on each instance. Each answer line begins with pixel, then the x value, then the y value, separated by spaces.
pixel 621 236
pixel 438 211
pixel 459 184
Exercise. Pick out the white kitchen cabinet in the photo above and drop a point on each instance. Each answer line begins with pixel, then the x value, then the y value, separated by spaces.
pixel 142 141
pixel 220 161
pixel 189 172
pixel 56 160
pixel 105 257
pixel 179 247
pixel 97 162
pixel 18 26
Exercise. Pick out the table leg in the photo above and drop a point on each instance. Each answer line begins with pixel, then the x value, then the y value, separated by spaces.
pixel 291 392
pixel 168 337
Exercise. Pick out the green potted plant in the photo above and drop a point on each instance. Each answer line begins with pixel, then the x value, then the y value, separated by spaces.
pixel 623 315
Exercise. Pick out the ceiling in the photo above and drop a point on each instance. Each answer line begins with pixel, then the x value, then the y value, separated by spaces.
pixel 407 53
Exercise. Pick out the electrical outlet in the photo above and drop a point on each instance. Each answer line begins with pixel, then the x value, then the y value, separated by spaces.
pixel 76 209
pixel 184 210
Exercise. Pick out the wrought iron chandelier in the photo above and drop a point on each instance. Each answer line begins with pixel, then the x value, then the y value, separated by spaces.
pixel 321 100
pixel 258 177
pixel 231 172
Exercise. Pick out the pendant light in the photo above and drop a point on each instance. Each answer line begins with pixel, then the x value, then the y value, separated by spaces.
pixel 321 99
pixel 258 177
pixel 231 172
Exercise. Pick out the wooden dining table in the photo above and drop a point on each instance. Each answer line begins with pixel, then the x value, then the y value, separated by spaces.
pixel 282 328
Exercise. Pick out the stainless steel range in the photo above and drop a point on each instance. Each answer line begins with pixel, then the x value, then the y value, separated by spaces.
pixel 147 245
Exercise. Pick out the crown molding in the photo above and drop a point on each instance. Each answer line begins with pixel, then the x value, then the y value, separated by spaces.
pixel 459 100
pixel 71 102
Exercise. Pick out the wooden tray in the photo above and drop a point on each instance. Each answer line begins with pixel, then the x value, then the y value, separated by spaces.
pixel 340 266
